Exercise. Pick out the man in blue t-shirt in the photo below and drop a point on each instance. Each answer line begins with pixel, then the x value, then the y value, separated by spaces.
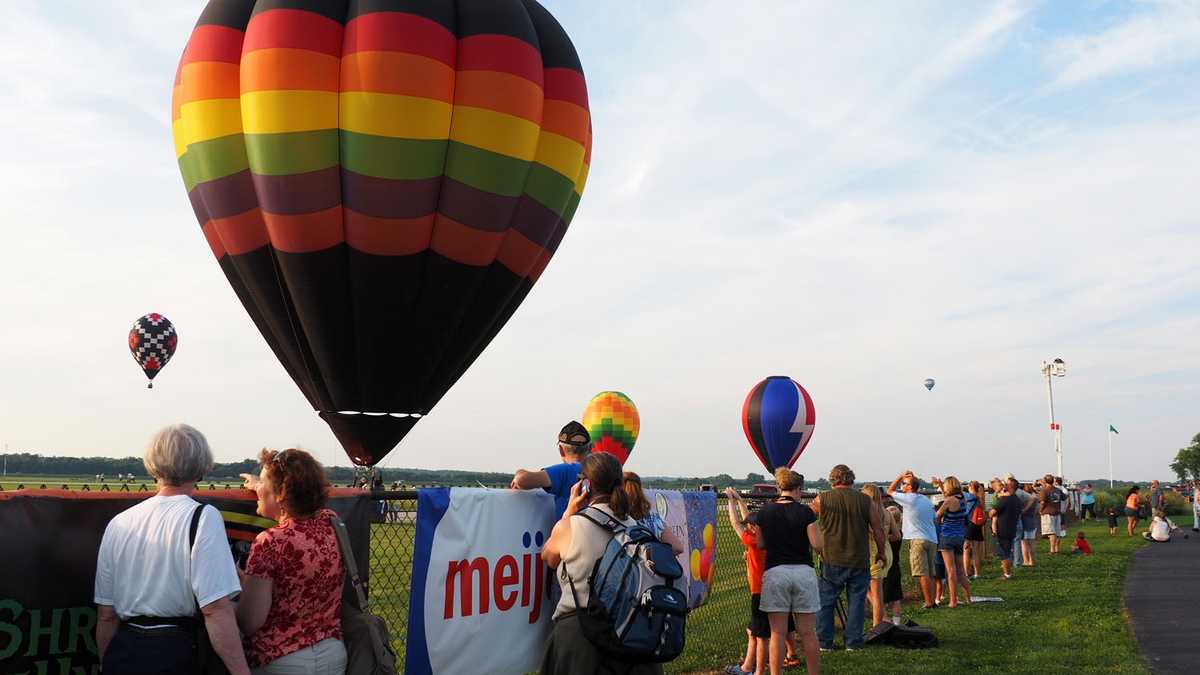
pixel 574 443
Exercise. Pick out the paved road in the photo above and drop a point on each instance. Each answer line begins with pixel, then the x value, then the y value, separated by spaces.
pixel 1162 594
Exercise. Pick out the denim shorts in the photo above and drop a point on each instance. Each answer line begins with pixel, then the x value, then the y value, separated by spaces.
pixel 1004 548
pixel 954 545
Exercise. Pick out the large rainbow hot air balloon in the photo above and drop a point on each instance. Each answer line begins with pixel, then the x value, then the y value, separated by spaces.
pixel 613 423
pixel 382 183
pixel 778 418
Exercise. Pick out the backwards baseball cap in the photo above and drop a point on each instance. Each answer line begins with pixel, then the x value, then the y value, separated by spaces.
pixel 574 434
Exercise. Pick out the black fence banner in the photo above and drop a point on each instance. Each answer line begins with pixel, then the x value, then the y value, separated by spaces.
pixel 49 540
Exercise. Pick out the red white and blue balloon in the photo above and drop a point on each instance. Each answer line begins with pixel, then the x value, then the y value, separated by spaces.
pixel 778 418
pixel 152 341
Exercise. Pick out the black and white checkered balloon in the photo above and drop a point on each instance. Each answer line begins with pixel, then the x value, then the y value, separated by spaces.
pixel 152 342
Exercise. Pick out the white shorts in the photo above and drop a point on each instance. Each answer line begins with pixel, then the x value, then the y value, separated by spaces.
pixel 790 588
pixel 1052 525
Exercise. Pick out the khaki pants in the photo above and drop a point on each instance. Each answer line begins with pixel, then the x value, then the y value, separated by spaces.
pixel 327 657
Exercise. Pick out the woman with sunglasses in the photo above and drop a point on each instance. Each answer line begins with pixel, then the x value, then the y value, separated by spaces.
pixel 291 601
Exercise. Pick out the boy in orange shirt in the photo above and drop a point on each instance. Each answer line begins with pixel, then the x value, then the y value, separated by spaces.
pixel 758 630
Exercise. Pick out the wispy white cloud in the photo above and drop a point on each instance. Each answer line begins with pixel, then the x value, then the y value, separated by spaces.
pixel 1163 33
pixel 860 198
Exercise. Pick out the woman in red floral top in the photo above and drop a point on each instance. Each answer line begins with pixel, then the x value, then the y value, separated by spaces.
pixel 291 602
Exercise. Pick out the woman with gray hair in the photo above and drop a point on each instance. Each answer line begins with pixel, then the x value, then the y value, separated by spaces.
pixel 158 561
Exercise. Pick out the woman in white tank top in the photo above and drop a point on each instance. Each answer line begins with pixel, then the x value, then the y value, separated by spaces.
pixel 574 546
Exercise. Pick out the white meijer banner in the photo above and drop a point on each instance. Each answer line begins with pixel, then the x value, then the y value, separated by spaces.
pixel 478 601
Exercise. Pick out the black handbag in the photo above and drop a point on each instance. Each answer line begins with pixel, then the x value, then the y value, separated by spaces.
pixel 206 661
pixel 368 644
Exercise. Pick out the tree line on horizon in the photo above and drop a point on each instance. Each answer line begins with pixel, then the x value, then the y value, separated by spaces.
pixel 1186 466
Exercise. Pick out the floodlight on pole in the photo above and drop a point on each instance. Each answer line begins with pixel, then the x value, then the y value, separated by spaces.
pixel 1055 368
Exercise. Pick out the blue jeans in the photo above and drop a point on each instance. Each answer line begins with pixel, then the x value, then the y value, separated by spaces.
pixel 1016 556
pixel 856 582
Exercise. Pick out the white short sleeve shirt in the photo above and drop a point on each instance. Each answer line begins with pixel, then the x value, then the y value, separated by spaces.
pixel 145 566
pixel 920 518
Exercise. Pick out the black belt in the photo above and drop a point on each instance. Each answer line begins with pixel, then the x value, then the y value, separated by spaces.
pixel 150 622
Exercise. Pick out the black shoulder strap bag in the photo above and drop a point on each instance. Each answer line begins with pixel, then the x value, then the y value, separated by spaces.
pixel 368 644
pixel 207 661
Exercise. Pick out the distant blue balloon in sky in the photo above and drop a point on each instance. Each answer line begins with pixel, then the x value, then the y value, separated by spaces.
pixel 929 384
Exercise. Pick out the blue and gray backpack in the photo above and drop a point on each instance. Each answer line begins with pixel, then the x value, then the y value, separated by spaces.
pixel 637 608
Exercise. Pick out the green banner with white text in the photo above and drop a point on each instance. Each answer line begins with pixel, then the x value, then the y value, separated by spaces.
pixel 49 540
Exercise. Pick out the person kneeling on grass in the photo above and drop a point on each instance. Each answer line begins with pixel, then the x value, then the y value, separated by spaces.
pixel 1160 528
pixel 758 630
pixel 1081 547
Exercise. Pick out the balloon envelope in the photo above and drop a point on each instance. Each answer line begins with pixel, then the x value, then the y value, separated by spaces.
pixel 152 341
pixel 778 418
pixel 613 422
pixel 382 183
pixel 929 384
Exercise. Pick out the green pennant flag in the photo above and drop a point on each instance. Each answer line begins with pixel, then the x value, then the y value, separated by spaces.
pixel 1113 429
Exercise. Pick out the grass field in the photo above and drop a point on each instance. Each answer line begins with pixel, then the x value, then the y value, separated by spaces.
pixel 1065 615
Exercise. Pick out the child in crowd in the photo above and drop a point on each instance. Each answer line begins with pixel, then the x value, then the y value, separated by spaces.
pixel 1082 547
pixel 939 574
pixel 758 630
pixel 1112 521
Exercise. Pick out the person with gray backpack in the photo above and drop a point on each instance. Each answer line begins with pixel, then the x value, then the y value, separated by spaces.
pixel 623 608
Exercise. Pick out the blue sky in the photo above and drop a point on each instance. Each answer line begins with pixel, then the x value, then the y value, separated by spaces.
pixel 859 195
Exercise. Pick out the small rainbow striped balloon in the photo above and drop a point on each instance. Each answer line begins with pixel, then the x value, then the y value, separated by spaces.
pixel 612 421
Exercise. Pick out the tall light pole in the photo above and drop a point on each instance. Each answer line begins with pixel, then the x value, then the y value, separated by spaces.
pixel 1055 368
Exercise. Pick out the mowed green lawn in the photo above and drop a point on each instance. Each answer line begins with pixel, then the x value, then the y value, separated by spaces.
pixel 1064 615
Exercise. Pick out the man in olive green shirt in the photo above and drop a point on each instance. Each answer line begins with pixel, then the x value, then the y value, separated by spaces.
pixel 847 518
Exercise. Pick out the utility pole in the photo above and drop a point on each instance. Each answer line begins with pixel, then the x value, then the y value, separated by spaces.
pixel 1055 368
pixel 1110 480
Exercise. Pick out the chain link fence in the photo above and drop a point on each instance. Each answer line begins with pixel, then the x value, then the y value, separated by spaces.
pixel 716 630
